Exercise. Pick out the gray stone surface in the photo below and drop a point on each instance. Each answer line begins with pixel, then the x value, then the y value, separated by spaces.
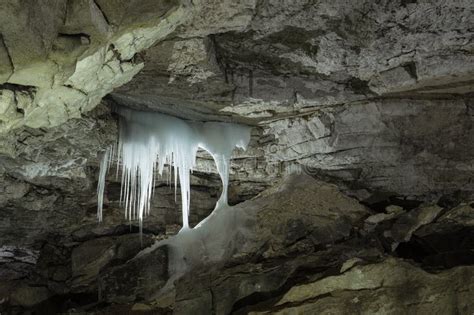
pixel 373 97
pixel 327 268
pixel 138 279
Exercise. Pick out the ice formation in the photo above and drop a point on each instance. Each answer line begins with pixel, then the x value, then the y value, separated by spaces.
pixel 149 142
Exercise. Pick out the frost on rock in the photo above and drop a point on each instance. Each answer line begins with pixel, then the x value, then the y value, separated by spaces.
pixel 149 142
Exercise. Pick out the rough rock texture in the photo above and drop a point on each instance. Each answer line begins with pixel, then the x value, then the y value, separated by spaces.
pixel 311 237
pixel 374 97
pixel 296 58
pixel 381 288
pixel 138 279
pixel 70 54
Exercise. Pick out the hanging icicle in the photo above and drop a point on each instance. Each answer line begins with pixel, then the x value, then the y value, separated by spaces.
pixel 149 141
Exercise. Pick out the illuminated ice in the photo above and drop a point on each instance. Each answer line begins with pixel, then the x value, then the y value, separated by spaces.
pixel 149 142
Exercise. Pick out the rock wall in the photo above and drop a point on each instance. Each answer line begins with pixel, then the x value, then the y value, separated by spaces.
pixel 367 104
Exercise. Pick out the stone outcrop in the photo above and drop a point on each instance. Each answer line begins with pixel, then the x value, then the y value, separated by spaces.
pixel 381 288
pixel 139 279
pixel 311 261
pixel 70 54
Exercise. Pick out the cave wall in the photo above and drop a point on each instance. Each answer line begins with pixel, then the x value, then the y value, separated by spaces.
pixel 366 104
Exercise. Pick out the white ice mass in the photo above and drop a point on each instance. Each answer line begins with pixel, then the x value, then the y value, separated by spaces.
pixel 150 141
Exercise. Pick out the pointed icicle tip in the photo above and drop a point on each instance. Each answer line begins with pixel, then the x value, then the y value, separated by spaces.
pixel 148 140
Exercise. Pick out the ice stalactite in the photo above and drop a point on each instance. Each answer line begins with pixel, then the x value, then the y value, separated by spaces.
pixel 150 141
pixel 101 184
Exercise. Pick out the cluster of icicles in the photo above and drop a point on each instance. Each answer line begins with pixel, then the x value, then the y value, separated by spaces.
pixel 149 142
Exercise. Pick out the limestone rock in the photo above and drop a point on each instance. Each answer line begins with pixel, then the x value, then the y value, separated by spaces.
pixel 91 257
pixel 28 33
pixel 387 145
pixel 64 51
pixel 29 296
pixel 140 278
pixel 447 241
pixel 408 223
pixel 372 99
pixel 299 217
pixel 300 208
pixel 6 65
pixel 389 287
